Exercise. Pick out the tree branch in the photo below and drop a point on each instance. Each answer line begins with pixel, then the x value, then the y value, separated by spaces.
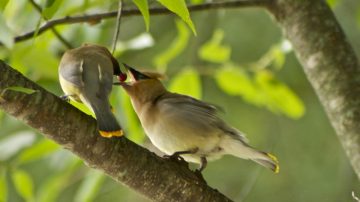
pixel 330 64
pixel 131 12
pixel 121 159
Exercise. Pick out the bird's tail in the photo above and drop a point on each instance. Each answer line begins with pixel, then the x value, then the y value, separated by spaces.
pixel 269 161
pixel 241 149
pixel 107 123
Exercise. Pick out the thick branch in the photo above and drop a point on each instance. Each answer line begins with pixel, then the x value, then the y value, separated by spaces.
pixel 121 159
pixel 329 63
pixel 131 12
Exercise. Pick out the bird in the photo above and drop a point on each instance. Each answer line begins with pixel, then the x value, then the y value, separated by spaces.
pixel 86 76
pixel 180 125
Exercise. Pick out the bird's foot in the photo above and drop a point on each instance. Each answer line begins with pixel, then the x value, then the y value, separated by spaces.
pixel 66 98
pixel 199 175
pixel 177 158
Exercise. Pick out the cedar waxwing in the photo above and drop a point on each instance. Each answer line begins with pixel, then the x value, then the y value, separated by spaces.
pixel 181 125
pixel 86 75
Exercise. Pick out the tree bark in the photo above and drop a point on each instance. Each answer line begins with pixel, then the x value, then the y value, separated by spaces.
pixel 330 64
pixel 124 161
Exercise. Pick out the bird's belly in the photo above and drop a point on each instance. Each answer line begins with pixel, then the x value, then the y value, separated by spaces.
pixel 170 138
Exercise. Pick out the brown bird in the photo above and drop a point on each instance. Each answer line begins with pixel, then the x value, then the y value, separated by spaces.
pixel 86 75
pixel 181 125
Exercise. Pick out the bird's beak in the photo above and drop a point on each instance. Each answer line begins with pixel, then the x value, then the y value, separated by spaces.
pixel 134 74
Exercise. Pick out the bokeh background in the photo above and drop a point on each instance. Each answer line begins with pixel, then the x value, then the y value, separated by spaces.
pixel 239 60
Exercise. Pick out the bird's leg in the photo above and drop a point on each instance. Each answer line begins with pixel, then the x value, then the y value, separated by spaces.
pixel 176 155
pixel 203 163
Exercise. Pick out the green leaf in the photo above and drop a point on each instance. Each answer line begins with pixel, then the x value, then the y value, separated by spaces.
pixel 197 1
pixel 49 3
pixel 3 186
pixel 278 97
pixel 21 89
pixel 278 57
pixel 3 4
pixel 187 82
pixel 41 149
pixel 263 90
pixel 23 184
pixel 144 9
pixel 90 186
pixel 213 51
pixel 179 8
pixel 235 81
pixel 332 3
pixel 132 123
pixel 176 47
pixel 6 35
pixel 51 6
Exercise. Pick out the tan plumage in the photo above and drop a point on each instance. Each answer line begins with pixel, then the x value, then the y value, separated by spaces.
pixel 86 75
pixel 178 123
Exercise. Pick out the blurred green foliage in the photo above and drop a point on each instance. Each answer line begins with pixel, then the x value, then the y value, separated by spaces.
pixel 238 61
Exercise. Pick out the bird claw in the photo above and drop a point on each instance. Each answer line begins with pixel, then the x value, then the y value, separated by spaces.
pixel 199 175
pixel 174 157
pixel 66 98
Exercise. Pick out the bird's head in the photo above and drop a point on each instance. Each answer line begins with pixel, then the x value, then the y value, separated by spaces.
pixel 143 85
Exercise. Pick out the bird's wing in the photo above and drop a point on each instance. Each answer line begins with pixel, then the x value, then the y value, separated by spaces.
pixel 188 112
pixel 197 114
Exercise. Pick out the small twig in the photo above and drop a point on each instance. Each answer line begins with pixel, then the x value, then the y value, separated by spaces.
pixel 55 32
pixel 117 30
pixel 131 12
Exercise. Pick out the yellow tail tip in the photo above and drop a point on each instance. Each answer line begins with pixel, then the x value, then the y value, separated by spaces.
pixel 110 134
pixel 277 167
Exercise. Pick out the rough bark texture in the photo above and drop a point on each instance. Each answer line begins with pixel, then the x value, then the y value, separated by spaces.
pixel 329 63
pixel 121 159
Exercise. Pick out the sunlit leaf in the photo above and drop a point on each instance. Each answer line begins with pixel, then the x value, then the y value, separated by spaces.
pixel 37 151
pixel 278 57
pixel 332 3
pixel 21 89
pixel 11 145
pixel 3 186
pixel 51 6
pixel 35 59
pixel 82 107
pixel 214 51
pixel 262 90
pixel 179 7
pixel 136 133
pixel 144 9
pixel 90 186
pixel 3 3
pixel 235 81
pixel 187 82
pixel 6 35
pixel 176 47
pixel 278 97
pixel 24 184
pixel 197 1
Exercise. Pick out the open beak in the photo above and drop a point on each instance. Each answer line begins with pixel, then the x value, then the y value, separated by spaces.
pixel 134 74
